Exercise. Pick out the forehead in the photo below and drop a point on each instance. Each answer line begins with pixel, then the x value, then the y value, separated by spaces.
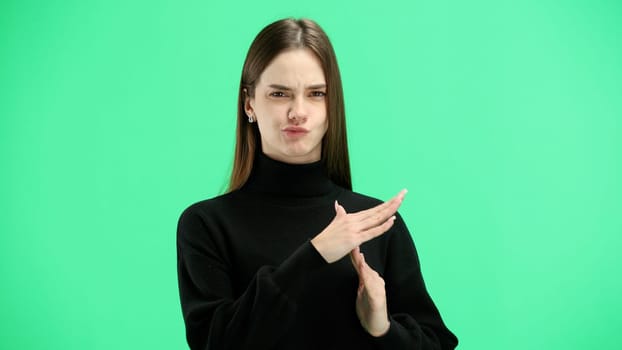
pixel 294 67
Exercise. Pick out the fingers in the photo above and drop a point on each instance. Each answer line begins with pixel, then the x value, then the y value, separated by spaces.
pixel 389 206
pixel 394 202
pixel 371 282
pixel 360 265
pixel 347 231
pixel 363 269
pixel 378 214
pixel 376 231
pixel 362 274
pixel 355 258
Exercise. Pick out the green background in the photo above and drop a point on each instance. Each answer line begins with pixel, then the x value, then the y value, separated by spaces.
pixel 502 118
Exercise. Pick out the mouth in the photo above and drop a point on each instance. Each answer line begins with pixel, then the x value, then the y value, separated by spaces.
pixel 295 131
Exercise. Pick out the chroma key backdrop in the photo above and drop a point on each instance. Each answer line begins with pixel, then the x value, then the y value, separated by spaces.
pixel 502 118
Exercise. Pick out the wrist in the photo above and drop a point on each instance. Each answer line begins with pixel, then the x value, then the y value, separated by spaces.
pixel 317 244
pixel 381 330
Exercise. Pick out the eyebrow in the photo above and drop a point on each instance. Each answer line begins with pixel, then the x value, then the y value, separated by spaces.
pixel 308 87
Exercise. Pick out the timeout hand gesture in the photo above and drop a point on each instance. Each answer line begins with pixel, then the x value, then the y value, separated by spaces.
pixel 348 231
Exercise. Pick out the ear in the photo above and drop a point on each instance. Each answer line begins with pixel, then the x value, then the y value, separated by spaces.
pixel 249 104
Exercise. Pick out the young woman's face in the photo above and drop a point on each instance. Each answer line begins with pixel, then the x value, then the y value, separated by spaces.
pixel 290 107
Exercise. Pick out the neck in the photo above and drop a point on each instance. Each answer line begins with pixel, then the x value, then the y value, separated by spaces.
pixel 303 159
pixel 273 177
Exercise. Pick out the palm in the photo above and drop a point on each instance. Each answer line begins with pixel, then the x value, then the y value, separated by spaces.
pixel 371 303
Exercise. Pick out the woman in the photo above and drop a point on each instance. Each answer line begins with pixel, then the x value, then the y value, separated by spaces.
pixel 290 257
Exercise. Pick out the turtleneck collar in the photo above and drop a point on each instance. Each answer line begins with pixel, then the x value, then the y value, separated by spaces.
pixel 273 177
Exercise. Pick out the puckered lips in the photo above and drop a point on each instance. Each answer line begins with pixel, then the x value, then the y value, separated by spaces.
pixel 294 131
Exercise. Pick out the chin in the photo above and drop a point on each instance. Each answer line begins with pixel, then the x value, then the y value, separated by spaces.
pixel 300 156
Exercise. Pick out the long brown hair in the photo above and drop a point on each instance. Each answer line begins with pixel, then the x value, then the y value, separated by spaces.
pixel 272 40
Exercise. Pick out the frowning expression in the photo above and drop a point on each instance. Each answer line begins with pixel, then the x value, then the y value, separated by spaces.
pixel 289 105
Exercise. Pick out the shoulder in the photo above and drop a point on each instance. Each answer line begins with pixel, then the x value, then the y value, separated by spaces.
pixel 200 222
pixel 355 201
pixel 209 206
pixel 207 212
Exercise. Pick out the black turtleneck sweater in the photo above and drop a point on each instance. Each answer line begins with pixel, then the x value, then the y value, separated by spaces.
pixel 249 278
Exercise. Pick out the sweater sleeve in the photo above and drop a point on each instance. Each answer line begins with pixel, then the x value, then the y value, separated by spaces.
pixel 214 317
pixel 415 322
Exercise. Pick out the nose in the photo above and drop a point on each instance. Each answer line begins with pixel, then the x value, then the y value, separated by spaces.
pixel 298 110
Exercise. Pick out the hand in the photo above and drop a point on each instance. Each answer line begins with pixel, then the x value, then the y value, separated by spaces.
pixel 348 231
pixel 371 298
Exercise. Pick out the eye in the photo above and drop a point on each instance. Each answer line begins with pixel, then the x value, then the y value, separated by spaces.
pixel 318 93
pixel 278 94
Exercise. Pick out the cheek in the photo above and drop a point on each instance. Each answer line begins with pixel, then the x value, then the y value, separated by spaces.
pixel 270 122
pixel 325 121
pixel 272 112
pixel 265 114
pixel 323 128
pixel 320 112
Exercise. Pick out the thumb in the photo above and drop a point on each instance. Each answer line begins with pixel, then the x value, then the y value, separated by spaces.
pixel 339 210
